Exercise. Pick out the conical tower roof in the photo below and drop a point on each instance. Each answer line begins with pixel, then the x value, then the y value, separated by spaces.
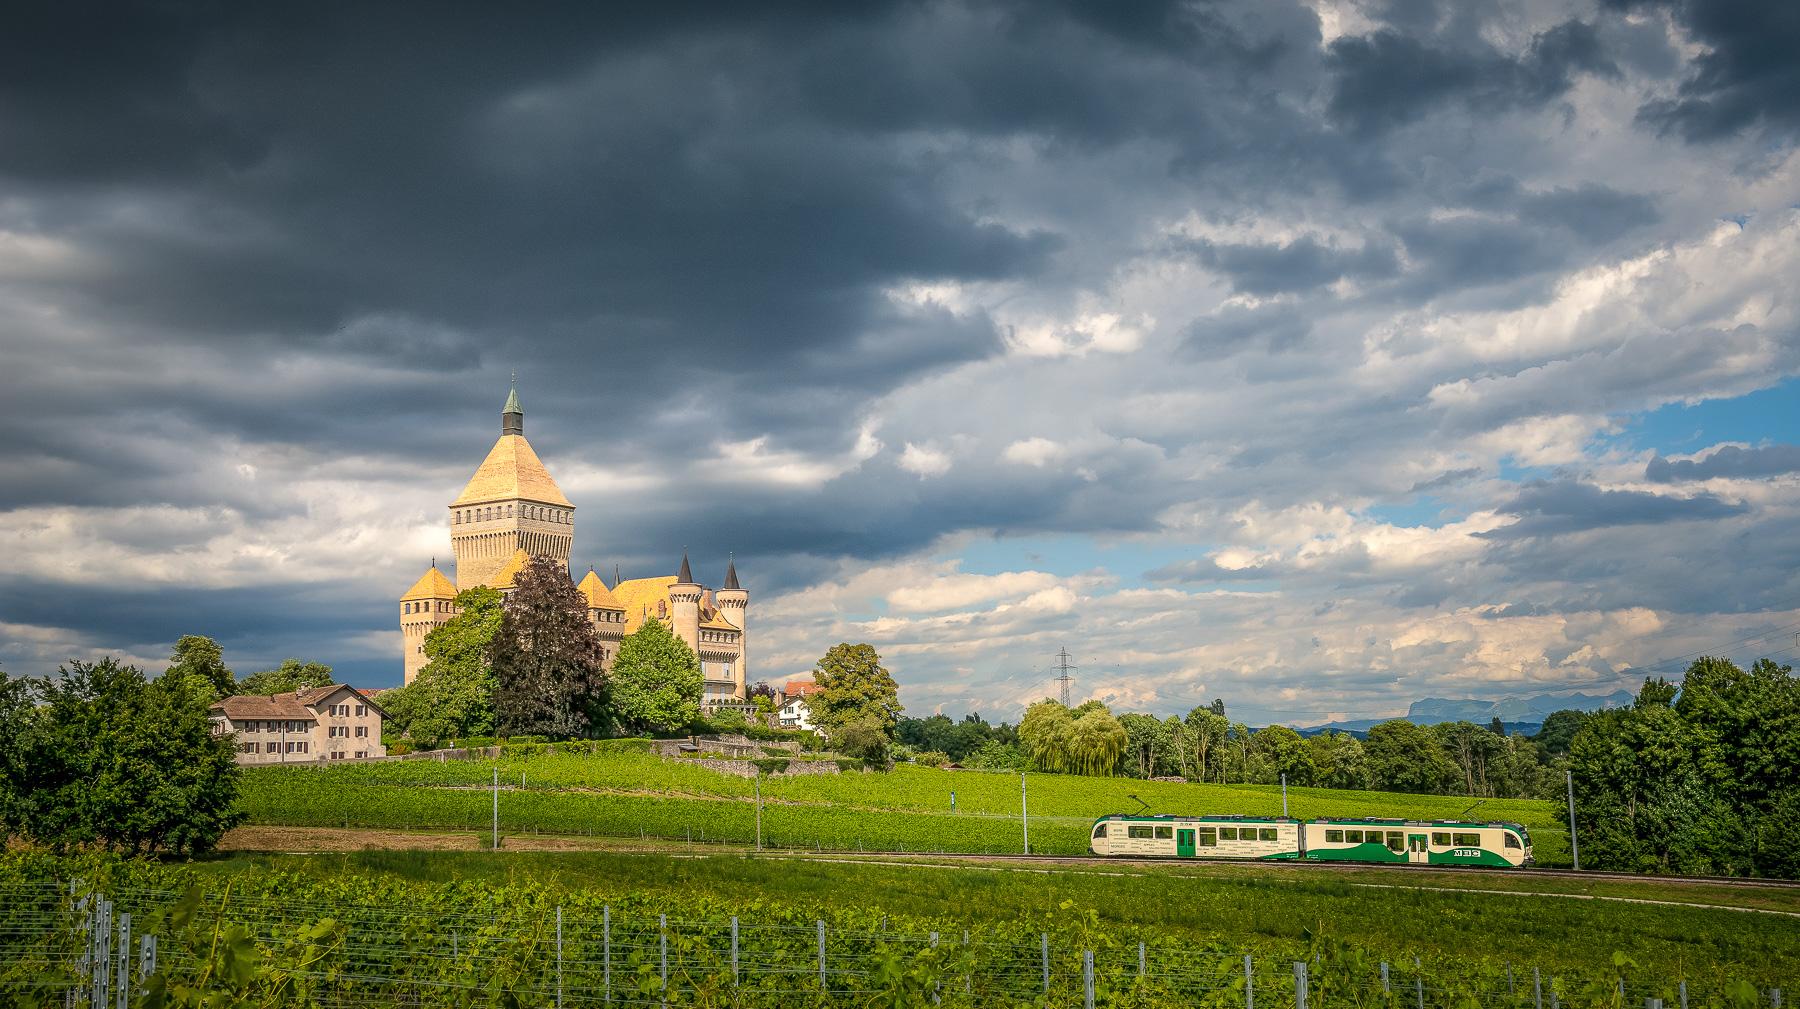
pixel 511 471
pixel 686 577
pixel 731 582
pixel 431 585
pixel 507 575
pixel 599 597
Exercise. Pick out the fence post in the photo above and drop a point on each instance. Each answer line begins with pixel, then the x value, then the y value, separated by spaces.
pixel 1683 991
pixel 1537 989
pixel 968 978
pixel 122 977
pixel 1419 989
pixel 1774 993
pixel 1044 953
pixel 1653 1003
pixel 821 924
pixel 1509 981
pixel 1299 984
pixel 1249 986
pixel 935 997
pixel 1140 961
pixel 1087 973
pixel 734 951
pixel 1555 1000
pixel 606 952
pixel 146 957
pixel 1386 989
pixel 559 956
pixel 662 945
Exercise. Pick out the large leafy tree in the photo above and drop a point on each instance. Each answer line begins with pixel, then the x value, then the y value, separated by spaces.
pixel 453 695
pixel 1337 759
pixel 1280 750
pixel 1150 745
pixel 200 663
pixel 1559 730
pixel 546 658
pixel 656 680
pixel 1047 734
pixel 292 674
pixel 1473 749
pixel 125 762
pixel 1403 757
pixel 854 687
pixel 1204 729
pixel 1097 741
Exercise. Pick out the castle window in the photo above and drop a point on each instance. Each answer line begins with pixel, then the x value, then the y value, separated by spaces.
pixel 662 608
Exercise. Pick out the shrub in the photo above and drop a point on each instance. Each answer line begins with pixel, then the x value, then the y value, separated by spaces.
pixel 771 765
pixel 931 758
pixel 850 764
pixel 862 739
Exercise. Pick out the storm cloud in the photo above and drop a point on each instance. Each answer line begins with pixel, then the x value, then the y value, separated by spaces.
pixel 1247 345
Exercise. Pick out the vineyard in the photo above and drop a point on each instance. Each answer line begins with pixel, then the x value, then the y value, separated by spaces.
pixel 367 930
pixel 620 790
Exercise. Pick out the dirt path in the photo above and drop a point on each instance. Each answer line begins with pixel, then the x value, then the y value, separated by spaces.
pixel 301 840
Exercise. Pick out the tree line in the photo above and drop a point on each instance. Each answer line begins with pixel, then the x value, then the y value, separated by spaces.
pixel 1455 758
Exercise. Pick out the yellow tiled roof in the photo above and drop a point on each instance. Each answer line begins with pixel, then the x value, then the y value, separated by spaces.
pixel 503 578
pixel 431 585
pixel 715 619
pixel 639 596
pixel 599 597
pixel 511 470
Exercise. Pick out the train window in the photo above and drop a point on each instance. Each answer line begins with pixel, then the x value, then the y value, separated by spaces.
pixel 1165 833
pixel 1100 831
pixel 1441 840
pixel 1227 833
pixel 1396 841
pixel 1352 837
pixel 1209 838
pixel 1144 831
pixel 1468 840
pixel 1334 837
pixel 1512 840
pixel 1266 833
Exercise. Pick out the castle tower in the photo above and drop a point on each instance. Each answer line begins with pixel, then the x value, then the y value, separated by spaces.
pixel 607 615
pixel 510 504
pixel 734 605
pixel 429 603
pixel 684 605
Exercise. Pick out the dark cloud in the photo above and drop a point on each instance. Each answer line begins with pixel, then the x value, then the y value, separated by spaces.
pixel 1299 265
pixel 1389 79
pixel 1727 461
pixel 1555 508
pixel 1746 76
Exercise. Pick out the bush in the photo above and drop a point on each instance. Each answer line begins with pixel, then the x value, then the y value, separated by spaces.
pixel 931 758
pixel 771 765
pixel 848 764
pixel 399 747
pixel 862 739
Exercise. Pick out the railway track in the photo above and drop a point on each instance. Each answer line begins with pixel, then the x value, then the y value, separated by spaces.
pixel 1319 866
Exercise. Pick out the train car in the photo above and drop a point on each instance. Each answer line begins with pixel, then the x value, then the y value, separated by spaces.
pixel 1416 842
pixel 1244 837
pixel 1378 841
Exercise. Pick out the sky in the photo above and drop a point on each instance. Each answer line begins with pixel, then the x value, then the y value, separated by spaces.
pixel 1315 356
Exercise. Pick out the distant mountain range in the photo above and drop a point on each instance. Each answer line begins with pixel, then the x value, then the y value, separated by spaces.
pixel 1520 714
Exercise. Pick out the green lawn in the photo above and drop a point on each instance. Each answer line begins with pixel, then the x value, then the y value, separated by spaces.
pixel 624 791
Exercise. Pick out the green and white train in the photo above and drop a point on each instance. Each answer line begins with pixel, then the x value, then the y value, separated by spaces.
pixel 1394 842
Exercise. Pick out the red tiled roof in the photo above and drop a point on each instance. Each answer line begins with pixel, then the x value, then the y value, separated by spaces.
pixel 800 687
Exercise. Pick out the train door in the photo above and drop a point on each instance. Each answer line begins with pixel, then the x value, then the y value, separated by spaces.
pixel 1417 848
pixel 1184 843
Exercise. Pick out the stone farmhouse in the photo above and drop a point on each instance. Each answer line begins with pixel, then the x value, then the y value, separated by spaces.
pixel 334 722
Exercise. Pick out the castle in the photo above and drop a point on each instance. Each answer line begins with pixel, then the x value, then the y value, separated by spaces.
pixel 511 511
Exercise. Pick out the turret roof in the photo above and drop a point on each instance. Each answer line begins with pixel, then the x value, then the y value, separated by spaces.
pixel 511 471
pixel 431 585
pixel 599 597
pixel 509 573
pixel 686 576
pixel 512 402
pixel 731 581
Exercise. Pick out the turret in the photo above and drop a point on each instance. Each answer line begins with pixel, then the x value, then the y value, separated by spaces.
pixel 734 603
pixel 512 417
pixel 684 602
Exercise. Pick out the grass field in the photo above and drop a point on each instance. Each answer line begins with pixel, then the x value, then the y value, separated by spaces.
pixel 623 791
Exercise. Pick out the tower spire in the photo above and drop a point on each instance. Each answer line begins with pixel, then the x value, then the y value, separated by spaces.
pixel 686 577
pixel 512 416
pixel 731 581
